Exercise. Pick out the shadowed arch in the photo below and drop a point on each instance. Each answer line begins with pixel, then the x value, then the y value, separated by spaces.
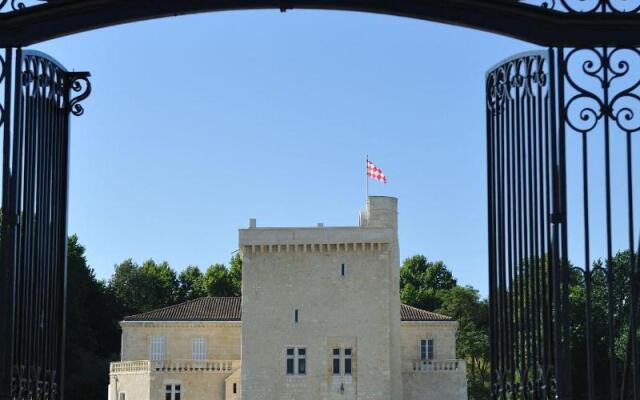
pixel 40 21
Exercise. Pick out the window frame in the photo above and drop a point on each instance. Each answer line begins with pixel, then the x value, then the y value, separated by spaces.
pixel 173 390
pixel 157 348
pixel 295 360
pixel 301 371
pixel 427 349
pixel 336 358
pixel 349 357
pixel 199 348
pixel 290 358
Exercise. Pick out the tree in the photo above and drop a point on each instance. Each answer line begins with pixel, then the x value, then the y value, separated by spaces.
pixel 146 287
pixel 600 340
pixel 93 333
pixel 422 282
pixel 235 274
pixel 472 341
pixel 191 284
pixel 217 281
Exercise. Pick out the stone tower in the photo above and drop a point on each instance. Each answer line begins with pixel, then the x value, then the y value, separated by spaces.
pixel 314 295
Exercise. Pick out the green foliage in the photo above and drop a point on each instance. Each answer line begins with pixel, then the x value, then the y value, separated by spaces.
pixel 621 298
pixel 217 281
pixel 472 341
pixel 191 284
pixel 93 338
pixel 144 287
pixel 422 282
pixel 235 274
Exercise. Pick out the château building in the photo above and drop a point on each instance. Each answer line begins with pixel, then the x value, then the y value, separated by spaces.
pixel 320 318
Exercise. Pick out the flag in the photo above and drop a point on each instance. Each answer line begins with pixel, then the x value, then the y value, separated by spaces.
pixel 375 173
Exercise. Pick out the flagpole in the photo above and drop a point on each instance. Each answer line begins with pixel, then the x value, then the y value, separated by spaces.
pixel 366 176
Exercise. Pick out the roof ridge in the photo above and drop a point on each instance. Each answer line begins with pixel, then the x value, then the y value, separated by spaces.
pixel 200 302
pixel 427 311
pixel 229 308
pixel 167 307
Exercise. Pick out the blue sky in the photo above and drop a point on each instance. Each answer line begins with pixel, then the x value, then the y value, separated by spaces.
pixel 198 123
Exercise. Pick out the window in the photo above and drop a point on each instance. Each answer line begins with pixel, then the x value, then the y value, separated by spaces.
pixel 296 361
pixel 347 361
pixel 172 392
pixel 342 357
pixel 235 388
pixel 290 360
pixel 426 349
pixel 199 348
pixel 295 316
pixel 157 348
pixel 302 361
pixel 121 396
pixel 336 361
pixel 342 270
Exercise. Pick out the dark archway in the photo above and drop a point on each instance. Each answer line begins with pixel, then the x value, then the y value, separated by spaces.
pixel 545 23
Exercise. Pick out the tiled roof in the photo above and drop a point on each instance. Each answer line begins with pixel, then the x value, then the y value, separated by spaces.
pixel 408 313
pixel 202 309
pixel 230 309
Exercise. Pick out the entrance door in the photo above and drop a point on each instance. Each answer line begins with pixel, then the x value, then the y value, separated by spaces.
pixel 527 229
pixel 38 98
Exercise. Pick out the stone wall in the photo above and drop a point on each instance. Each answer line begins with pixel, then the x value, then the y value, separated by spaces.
pixel 134 386
pixel 300 268
pixel 233 379
pixel 194 386
pixel 436 385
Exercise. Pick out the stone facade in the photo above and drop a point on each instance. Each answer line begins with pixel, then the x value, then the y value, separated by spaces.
pixel 321 320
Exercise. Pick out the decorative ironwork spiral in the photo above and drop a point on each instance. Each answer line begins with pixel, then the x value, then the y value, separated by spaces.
pixel 78 83
pixel 592 72
pixel 516 78
pixel 588 6
pixel 7 6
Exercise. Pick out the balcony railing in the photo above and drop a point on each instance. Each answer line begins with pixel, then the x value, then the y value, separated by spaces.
pixel 172 366
pixel 439 365
pixel 130 367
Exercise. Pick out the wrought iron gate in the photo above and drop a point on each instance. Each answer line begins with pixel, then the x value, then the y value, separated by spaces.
pixel 38 98
pixel 564 314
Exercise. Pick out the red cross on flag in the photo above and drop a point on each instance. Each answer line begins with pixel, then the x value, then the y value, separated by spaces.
pixel 375 173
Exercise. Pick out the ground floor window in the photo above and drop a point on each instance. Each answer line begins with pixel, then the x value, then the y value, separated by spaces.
pixel 344 358
pixel 172 392
pixel 296 363
pixel 347 361
pixel 122 396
